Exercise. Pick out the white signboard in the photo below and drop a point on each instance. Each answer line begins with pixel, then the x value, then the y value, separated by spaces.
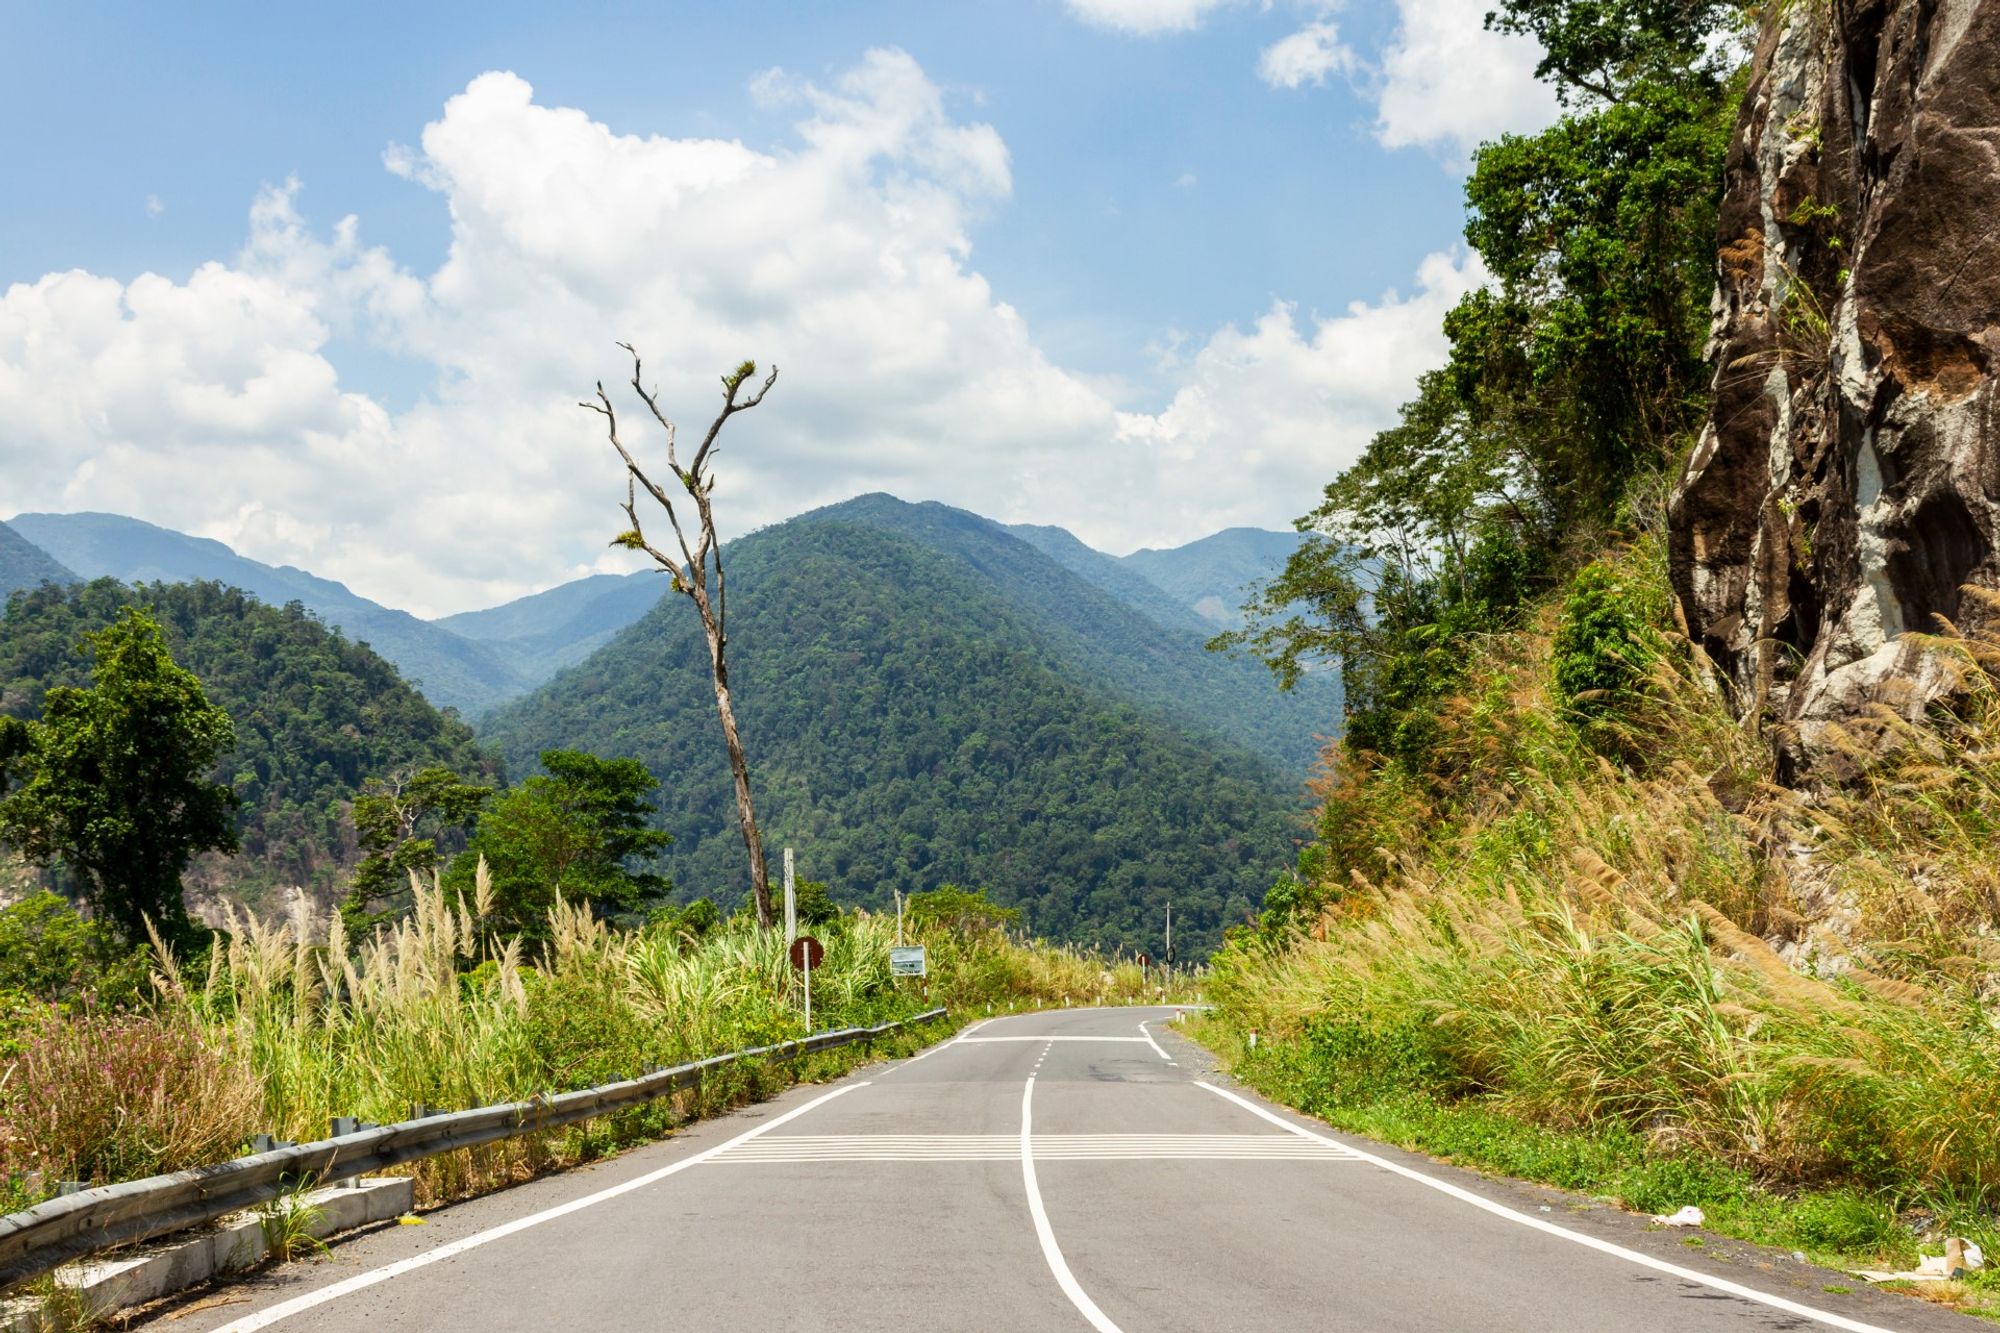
pixel 907 961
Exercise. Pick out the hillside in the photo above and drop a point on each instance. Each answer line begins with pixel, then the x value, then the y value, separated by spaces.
pixel 453 672
pixel 315 714
pixel 1213 576
pixel 1110 574
pixel 540 634
pixel 911 723
pixel 1108 644
pixel 26 565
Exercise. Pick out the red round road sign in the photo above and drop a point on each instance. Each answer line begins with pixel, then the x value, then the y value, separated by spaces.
pixel 807 950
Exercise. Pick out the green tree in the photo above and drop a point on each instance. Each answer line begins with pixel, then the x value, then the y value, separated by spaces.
pixel 112 781
pixel 399 823
pixel 1575 373
pixel 576 831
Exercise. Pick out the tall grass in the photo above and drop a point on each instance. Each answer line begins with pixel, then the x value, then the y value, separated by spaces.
pixel 1802 986
pixel 278 1032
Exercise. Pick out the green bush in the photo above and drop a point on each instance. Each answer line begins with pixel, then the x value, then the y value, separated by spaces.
pixel 1606 641
pixel 49 952
pixel 1844 1221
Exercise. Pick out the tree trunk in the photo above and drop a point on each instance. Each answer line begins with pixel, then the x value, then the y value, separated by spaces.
pixel 753 840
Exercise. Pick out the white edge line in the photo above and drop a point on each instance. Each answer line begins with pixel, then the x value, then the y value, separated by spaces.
pixel 1160 1050
pixel 299 1304
pixel 1591 1242
pixel 933 1050
pixel 1043 1231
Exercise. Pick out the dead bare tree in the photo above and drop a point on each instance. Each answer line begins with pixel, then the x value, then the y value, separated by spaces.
pixel 690 570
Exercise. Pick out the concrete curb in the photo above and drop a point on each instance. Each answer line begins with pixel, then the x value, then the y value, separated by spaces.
pixel 105 1286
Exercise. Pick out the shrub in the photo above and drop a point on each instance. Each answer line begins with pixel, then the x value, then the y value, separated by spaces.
pixel 1605 641
pixel 105 1097
pixel 50 952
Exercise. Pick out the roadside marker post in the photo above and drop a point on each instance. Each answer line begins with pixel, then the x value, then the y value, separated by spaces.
pixel 806 951
pixel 791 902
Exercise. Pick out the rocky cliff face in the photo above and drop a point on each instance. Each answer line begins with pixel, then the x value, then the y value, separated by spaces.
pixel 1847 486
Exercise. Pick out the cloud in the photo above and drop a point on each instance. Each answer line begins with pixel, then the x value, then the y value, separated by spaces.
pixel 1146 18
pixel 1281 407
pixel 1448 84
pixel 1307 56
pixel 216 404
pixel 154 206
pixel 1187 180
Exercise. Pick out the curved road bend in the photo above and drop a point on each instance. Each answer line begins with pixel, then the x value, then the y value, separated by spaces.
pixel 1067 1170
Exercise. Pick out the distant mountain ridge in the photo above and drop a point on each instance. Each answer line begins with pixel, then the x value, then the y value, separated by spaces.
pixel 451 671
pixel 927 698
pixel 541 633
pixel 1214 575
pixel 24 565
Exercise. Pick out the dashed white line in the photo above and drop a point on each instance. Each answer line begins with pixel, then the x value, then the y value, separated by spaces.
pixel 1043 1232
pixel 299 1304
pixel 974 1041
pixel 1590 1242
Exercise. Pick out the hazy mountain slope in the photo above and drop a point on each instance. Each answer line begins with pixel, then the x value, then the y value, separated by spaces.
pixel 540 634
pixel 315 714
pixel 26 565
pixel 1111 575
pixel 1107 644
pixel 910 724
pixel 450 670
pixel 1213 575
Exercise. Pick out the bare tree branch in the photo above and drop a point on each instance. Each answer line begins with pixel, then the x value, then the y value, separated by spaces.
pixel 690 572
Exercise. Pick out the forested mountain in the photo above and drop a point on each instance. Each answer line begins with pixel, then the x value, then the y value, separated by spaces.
pixel 1112 575
pixel 452 671
pixel 1213 575
pixel 540 634
pixel 26 565
pixel 315 714
pixel 916 717
pixel 1107 643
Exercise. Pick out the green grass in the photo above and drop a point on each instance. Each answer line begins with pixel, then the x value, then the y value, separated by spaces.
pixel 1838 1227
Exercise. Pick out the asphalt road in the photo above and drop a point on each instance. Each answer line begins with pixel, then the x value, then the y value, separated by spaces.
pixel 1066 1170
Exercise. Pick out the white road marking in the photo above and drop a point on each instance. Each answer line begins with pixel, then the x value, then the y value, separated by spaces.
pixel 974 1041
pixel 933 1050
pixel 1043 1232
pixel 1590 1242
pixel 1155 1045
pixel 299 1304
pixel 1048 1147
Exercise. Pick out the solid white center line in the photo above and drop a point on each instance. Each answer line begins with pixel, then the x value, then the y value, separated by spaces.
pixel 299 1304
pixel 1043 1232
pixel 1155 1045
pixel 1591 1242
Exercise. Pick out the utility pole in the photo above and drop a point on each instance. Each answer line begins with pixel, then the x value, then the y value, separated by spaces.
pixel 791 903
pixel 1170 938
pixel 899 917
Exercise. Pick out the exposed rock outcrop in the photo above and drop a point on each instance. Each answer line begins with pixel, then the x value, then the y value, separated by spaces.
pixel 1848 482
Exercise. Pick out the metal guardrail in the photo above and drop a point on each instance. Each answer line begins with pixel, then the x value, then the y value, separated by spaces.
pixel 41 1239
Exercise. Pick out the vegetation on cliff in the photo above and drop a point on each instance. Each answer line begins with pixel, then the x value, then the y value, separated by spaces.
pixel 1560 917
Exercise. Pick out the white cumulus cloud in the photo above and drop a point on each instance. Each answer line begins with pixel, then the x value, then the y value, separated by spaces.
pixel 1307 56
pixel 1145 17
pixel 215 404
pixel 1448 84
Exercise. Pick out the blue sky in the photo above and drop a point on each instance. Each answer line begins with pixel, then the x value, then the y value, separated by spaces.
pixel 1062 231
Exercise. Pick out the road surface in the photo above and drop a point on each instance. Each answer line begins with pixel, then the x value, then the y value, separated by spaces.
pixel 1070 1170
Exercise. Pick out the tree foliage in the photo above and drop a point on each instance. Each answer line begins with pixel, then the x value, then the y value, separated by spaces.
pixel 315 715
pixel 112 781
pixel 578 831
pixel 914 729
pixel 1575 374
pixel 399 822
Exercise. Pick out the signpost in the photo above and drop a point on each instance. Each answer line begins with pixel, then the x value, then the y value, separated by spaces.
pixel 908 961
pixel 805 952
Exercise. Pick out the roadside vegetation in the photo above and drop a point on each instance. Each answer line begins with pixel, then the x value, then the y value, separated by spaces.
pixel 1560 919
pixel 105 1076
